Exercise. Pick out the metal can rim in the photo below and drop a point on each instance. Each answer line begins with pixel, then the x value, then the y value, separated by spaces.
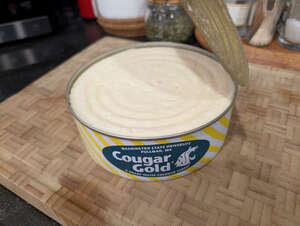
pixel 143 45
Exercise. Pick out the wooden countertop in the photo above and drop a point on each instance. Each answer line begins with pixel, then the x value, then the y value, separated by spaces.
pixel 273 55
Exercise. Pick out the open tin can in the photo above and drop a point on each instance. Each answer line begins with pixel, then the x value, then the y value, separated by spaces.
pixel 157 158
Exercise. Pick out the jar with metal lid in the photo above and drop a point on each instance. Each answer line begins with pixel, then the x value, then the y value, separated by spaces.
pixel 166 20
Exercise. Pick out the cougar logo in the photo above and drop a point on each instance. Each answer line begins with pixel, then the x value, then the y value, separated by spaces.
pixel 186 157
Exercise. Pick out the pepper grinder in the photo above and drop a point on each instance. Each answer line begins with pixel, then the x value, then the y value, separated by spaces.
pixel 267 14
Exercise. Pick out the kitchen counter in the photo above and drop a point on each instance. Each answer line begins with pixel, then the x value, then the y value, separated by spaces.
pixel 33 58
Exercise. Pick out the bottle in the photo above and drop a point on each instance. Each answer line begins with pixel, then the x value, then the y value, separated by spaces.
pixel 240 11
pixel 290 30
pixel 166 20
pixel 261 32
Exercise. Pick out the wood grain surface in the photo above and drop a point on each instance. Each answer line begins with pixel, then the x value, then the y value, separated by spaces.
pixel 255 180
pixel 273 55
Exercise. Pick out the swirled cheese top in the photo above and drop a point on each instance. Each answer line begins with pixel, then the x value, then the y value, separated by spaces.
pixel 151 92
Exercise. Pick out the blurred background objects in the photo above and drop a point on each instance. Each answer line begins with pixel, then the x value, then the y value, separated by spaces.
pixel 289 28
pixel 38 35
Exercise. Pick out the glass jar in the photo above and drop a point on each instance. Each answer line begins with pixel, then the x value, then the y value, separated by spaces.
pixel 241 12
pixel 289 28
pixel 166 20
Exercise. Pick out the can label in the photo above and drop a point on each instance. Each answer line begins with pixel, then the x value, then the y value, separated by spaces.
pixel 156 160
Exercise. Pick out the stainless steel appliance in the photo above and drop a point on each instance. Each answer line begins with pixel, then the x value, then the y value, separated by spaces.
pixel 20 19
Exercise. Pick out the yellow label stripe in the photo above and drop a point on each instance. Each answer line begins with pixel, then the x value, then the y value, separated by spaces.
pixel 162 141
pixel 175 176
pixel 214 133
pixel 205 160
pixel 192 169
pixel 91 147
pixel 104 142
pixel 116 141
pixel 224 122
pixel 154 178
pixel 99 148
pixel 90 151
pixel 100 157
pixel 136 142
pixel 189 138
pixel 131 176
pixel 213 148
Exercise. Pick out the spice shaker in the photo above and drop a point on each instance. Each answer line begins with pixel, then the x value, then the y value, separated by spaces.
pixel 166 20
pixel 290 31
pixel 240 11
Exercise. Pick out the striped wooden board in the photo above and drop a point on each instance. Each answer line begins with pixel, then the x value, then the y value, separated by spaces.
pixel 255 180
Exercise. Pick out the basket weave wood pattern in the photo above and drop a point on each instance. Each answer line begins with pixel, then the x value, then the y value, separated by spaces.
pixel 123 27
pixel 255 180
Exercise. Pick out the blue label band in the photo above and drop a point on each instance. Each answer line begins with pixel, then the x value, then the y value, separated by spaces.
pixel 158 160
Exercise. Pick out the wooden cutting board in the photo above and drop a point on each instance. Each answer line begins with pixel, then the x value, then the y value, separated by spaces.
pixel 255 180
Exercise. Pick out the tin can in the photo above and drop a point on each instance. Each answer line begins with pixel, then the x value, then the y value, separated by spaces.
pixel 157 158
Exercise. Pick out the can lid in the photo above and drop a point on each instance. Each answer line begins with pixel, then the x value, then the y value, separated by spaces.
pixel 164 1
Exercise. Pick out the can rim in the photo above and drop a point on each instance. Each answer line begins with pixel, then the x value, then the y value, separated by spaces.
pixel 83 68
